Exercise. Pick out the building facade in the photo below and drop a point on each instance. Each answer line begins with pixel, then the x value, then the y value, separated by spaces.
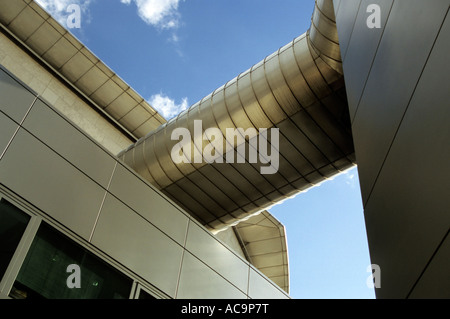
pixel 87 185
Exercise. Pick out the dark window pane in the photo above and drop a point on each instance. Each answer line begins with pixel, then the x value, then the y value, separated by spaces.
pixel 145 295
pixel 12 226
pixel 44 271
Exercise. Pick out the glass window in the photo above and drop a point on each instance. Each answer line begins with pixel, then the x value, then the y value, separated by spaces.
pixel 145 295
pixel 12 226
pixel 58 268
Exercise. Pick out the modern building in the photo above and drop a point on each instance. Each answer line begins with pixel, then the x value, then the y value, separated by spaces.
pixel 92 198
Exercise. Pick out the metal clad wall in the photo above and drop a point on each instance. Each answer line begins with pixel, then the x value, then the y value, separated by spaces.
pixel 397 83
pixel 53 165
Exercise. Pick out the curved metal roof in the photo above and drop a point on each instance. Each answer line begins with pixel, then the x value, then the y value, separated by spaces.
pixel 299 90
pixel 263 240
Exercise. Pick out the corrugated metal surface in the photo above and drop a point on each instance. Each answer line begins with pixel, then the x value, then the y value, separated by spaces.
pixel 300 90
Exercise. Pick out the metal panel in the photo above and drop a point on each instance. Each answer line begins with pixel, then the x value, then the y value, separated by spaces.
pixel 198 281
pixel 10 11
pixel 261 288
pixel 361 50
pixel 220 258
pixel 137 244
pixel 60 53
pixel 432 284
pixel 149 203
pixel 264 241
pixel 43 178
pixel 407 214
pixel 25 23
pixel 78 65
pixel 15 98
pixel 7 129
pixel 403 50
pixel 65 139
pixel 92 80
pixel 43 38
pixel 345 17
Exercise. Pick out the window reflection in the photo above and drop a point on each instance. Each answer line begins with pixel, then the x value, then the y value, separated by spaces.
pixel 44 273
pixel 13 223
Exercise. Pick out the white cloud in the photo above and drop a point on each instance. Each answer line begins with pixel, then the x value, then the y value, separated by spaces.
pixel 350 179
pixel 58 9
pixel 159 13
pixel 167 106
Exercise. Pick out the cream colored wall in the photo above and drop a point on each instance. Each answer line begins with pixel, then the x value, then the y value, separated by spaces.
pixel 228 237
pixel 60 96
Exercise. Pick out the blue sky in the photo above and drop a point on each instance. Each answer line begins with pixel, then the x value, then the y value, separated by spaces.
pixel 175 52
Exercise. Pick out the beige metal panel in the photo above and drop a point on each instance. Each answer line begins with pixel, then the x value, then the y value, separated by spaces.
pixel 16 99
pixel 26 23
pixel 90 81
pixel 51 184
pixel 123 104
pixel 60 53
pixel 43 38
pixel 7 130
pixel 10 10
pixel 219 257
pixel 137 116
pixel 66 140
pixel 198 281
pixel 107 93
pixel 148 126
pixel 138 245
pixel 228 236
pixel 149 203
pixel 263 239
pixel 261 288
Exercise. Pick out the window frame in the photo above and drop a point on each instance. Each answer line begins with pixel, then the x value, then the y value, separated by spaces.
pixel 36 219
pixel 22 249
pixel 137 291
